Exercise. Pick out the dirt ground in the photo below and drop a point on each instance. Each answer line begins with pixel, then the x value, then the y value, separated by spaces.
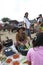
pixel 10 35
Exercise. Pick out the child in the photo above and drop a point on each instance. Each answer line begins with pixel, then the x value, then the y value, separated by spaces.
pixel 35 54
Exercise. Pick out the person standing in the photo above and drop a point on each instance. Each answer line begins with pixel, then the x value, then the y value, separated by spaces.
pixel 40 18
pixel 27 24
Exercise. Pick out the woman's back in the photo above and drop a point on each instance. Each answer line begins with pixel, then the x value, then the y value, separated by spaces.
pixel 35 55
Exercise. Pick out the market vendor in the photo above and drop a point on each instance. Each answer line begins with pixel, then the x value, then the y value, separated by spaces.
pixel 21 38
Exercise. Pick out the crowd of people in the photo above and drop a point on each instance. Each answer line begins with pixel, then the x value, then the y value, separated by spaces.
pixel 34 55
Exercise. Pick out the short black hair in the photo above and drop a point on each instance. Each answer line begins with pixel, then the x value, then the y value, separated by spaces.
pixel 38 40
pixel 26 13
pixel 40 15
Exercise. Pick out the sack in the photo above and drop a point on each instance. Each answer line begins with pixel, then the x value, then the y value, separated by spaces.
pixel 8 43
pixel 22 50
pixel 8 51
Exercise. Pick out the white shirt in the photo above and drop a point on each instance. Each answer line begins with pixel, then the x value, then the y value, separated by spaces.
pixel 26 21
pixel 40 19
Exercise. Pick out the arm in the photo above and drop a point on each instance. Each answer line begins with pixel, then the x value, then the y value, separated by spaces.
pixel 24 24
pixel 17 40
pixel 28 57
pixel 26 38
pixel 27 62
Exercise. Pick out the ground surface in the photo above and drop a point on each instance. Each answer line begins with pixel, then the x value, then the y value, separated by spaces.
pixel 10 35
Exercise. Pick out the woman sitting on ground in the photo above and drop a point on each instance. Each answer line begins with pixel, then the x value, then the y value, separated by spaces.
pixel 21 38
